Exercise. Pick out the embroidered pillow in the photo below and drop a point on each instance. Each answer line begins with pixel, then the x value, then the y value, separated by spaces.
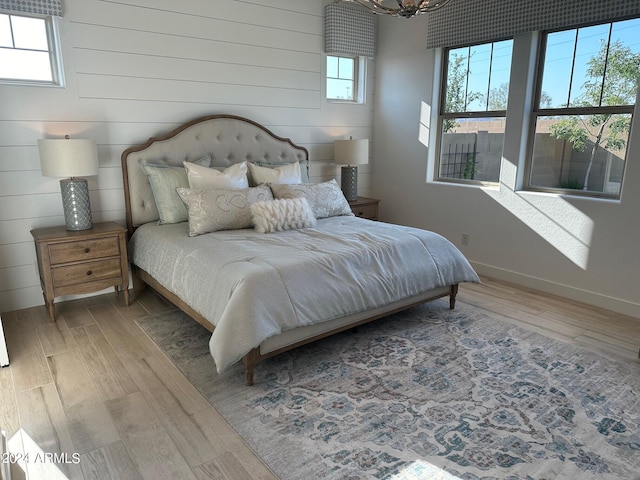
pixel 231 177
pixel 164 180
pixel 284 174
pixel 211 210
pixel 283 214
pixel 326 199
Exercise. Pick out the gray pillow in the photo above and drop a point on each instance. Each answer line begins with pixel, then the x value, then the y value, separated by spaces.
pixel 326 199
pixel 164 180
pixel 210 210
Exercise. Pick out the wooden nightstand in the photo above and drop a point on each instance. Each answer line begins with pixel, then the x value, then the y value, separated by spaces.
pixel 365 207
pixel 75 262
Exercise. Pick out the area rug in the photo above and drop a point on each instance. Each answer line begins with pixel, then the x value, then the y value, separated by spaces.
pixel 426 393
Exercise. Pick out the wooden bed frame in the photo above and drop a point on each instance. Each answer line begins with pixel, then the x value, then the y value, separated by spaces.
pixel 222 137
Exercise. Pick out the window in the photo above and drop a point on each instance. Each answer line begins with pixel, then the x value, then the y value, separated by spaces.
pixel 582 114
pixel 343 78
pixel 472 112
pixel 28 50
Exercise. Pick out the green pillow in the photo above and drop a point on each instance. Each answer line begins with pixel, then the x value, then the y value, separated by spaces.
pixel 164 180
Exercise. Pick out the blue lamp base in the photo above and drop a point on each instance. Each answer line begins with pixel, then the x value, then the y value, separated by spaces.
pixel 75 202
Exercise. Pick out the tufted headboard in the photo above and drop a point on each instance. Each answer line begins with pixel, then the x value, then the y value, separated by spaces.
pixel 228 139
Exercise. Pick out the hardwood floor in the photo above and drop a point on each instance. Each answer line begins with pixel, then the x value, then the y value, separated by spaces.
pixel 92 397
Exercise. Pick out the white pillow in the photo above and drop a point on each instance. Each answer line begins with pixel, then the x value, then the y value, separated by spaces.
pixel 283 175
pixel 279 215
pixel 232 177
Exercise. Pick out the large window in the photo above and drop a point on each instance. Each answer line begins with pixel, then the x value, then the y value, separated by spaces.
pixel 587 84
pixel 343 78
pixel 28 50
pixel 472 112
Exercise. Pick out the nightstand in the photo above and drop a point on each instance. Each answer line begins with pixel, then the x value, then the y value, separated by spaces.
pixel 76 262
pixel 365 207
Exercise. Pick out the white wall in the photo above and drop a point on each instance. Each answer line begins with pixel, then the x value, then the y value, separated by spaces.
pixel 140 68
pixel 580 248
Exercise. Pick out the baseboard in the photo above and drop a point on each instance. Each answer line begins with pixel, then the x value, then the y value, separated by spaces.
pixel 591 298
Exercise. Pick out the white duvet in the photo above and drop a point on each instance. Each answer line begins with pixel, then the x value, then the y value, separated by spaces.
pixel 252 286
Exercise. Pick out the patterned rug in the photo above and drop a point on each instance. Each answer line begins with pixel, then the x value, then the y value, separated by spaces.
pixel 426 393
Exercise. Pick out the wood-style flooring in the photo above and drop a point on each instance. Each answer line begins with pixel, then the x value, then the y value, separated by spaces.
pixel 92 397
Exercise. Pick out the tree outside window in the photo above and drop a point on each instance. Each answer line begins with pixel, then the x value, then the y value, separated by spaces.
pixel 581 134
pixel 473 112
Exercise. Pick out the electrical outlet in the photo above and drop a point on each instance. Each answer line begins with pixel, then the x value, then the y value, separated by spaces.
pixel 465 239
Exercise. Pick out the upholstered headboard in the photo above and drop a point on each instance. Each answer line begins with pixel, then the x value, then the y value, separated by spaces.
pixel 228 139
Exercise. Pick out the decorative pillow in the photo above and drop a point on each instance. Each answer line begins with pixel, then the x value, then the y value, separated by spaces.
pixel 282 214
pixel 164 180
pixel 304 167
pixel 231 177
pixel 284 174
pixel 211 210
pixel 326 199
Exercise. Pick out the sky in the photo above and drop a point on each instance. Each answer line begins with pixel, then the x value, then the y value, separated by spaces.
pixel 559 82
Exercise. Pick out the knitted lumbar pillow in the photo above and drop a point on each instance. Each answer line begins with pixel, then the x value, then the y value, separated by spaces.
pixel 283 214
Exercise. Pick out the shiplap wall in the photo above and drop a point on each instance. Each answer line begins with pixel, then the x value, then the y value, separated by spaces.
pixel 139 68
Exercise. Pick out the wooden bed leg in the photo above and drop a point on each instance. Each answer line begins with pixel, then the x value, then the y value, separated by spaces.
pixel 249 376
pixel 138 284
pixel 452 297
pixel 249 361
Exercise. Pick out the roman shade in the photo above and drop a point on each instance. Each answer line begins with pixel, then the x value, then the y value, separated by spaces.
pixel 40 7
pixel 349 31
pixel 468 22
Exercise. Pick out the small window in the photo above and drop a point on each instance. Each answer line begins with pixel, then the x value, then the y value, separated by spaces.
pixel 28 50
pixel 473 111
pixel 582 117
pixel 342 78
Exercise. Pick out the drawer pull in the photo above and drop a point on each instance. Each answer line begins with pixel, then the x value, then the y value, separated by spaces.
pixel 87 250
pixel 89 272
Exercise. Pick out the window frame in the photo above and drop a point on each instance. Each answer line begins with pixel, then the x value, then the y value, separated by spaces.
pixel 526 87
pixel 442 116
pixel 536 111
pixel 54 51
pixel 358 81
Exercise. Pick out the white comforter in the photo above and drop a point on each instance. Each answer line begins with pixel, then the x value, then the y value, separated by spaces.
pixel 252 286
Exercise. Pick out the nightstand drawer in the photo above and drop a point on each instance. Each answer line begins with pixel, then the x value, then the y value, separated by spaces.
pixel 83 250
pixel 86 272
pixel 365 211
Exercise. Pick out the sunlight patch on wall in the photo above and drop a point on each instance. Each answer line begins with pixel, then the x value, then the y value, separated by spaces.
pixel 559 223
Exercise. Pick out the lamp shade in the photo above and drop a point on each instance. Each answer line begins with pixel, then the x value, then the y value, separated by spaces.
pixel 351 152
pixel 64 157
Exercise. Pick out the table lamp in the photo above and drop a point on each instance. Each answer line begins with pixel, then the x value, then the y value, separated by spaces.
pixel 350 153
pixel 65 157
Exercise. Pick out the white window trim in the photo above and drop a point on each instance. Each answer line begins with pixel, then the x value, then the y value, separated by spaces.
pixel 359 81
pixel 55 56
pixel 433 155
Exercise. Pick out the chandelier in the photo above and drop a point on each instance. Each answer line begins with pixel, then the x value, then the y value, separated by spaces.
pixel 404 8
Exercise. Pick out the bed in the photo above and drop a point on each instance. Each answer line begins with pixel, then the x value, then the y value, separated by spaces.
pixel 261 294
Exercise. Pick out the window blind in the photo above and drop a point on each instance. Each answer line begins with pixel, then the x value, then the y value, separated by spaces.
pixel 468 22
pixel 40 7
pixel 349 31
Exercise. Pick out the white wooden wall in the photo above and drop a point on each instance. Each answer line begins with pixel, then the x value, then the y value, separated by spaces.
pixel 138 68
